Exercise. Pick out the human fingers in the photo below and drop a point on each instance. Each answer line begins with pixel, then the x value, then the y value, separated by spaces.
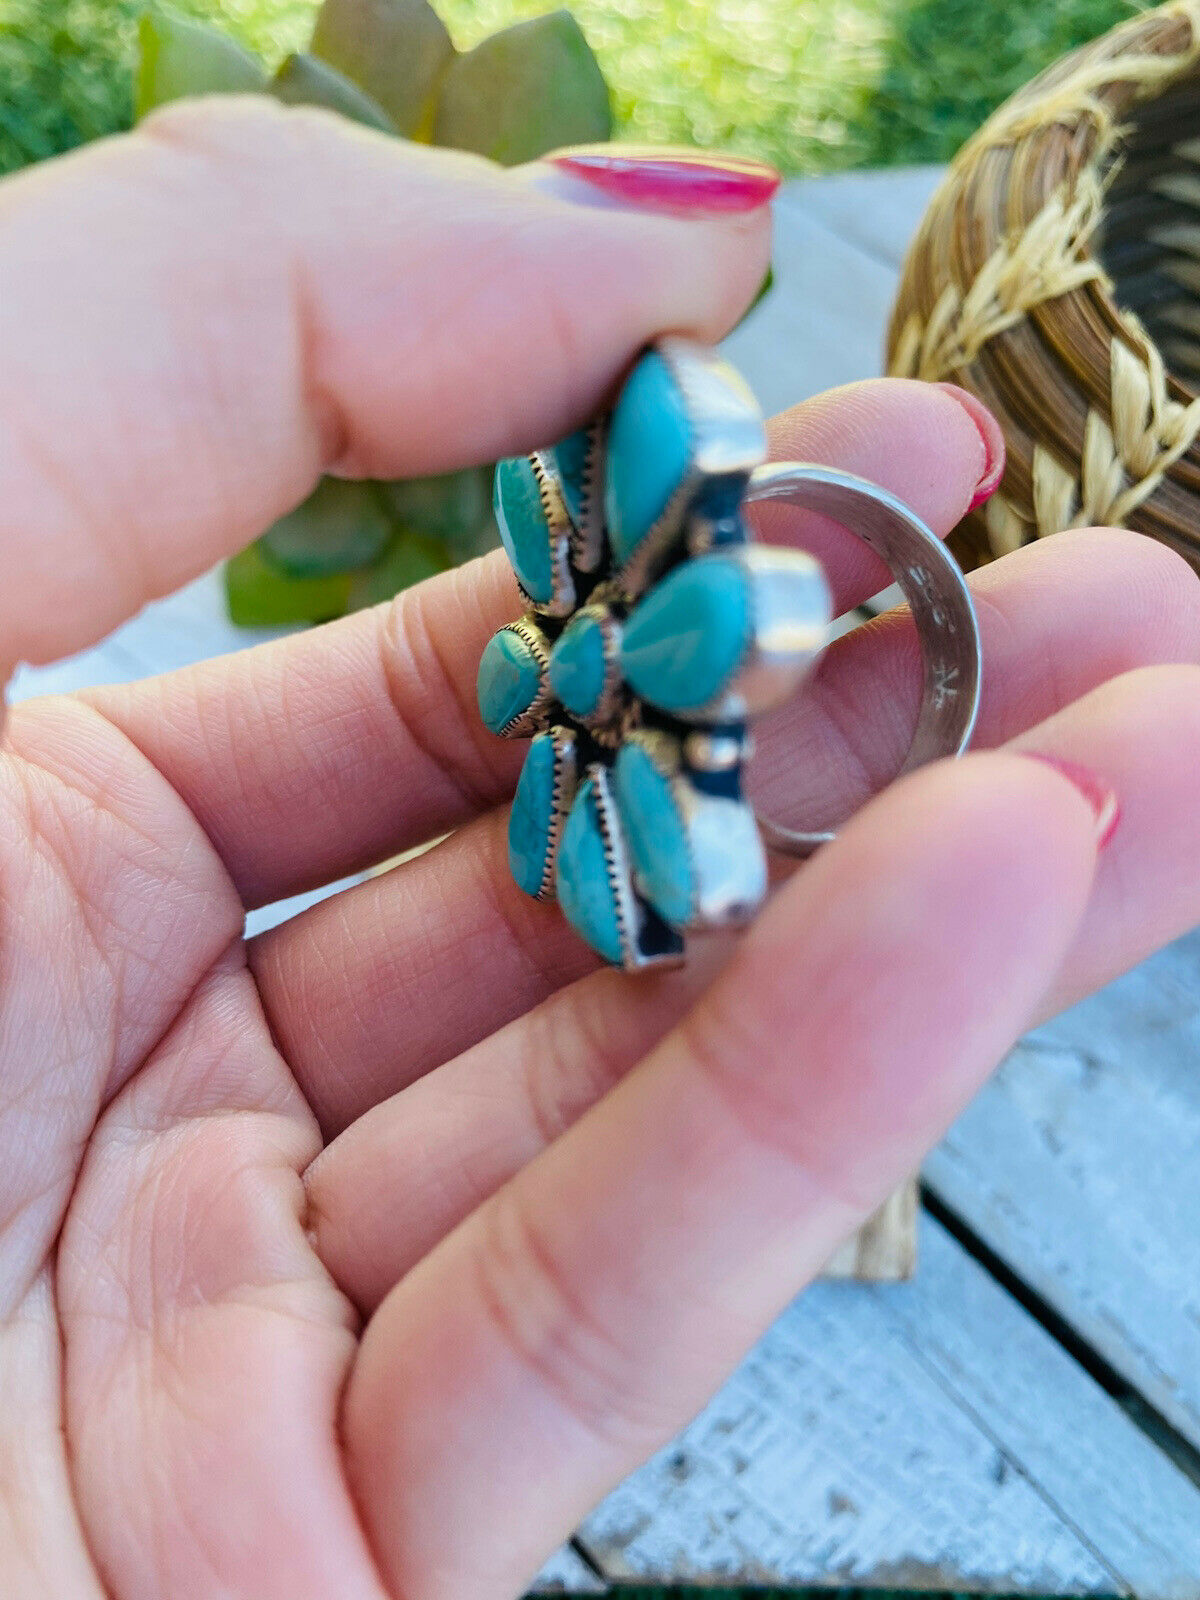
pixel 372 990
pixel 574 1321
pixel 309 758
pixel 268 293
pixel 410 1169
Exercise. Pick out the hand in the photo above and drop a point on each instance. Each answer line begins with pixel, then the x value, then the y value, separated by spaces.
pixel 362 1260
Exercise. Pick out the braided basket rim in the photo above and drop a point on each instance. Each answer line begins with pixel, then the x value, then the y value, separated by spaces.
pixel 1078 195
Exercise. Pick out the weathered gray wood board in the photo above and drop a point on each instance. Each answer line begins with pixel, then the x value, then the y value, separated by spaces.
pixel 822 323
pixel 567 1573
pixel 876 211
pixel 928 1434
pixel 1079 1164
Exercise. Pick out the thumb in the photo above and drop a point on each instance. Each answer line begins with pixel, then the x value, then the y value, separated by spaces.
pixel 201 317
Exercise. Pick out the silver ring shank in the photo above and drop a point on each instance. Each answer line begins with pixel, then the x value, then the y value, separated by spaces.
pixel 932 584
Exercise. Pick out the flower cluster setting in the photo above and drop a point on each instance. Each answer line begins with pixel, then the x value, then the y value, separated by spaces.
pixel 656 629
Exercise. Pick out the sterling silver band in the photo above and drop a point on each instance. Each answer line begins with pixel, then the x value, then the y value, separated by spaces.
pixel 932 584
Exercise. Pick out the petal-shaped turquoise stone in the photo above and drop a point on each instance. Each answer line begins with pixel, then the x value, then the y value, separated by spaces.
pixel 570 459
pixel 577 667
pixel 682 645
pixel 656 835
pixel 524 531
pixel 585 889
pixel 531 823
pixel 649 449
pixel 510 678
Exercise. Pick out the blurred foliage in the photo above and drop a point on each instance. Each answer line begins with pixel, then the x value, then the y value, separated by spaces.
pixel 391 65
pixel 65 65
pixel 810 84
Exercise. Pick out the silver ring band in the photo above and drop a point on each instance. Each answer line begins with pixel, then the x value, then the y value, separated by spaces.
pixel 932 584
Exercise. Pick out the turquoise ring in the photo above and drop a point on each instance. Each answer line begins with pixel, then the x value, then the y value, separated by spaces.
pixel 656 630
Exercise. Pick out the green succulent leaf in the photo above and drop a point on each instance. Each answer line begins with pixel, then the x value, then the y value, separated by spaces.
pixel 455 509
pixel 340 527
pixel 530 89
pixel 760 294
pixel 178 57
pixel 259 595
pixel 411 558
pixel 397 50
pixel 302 80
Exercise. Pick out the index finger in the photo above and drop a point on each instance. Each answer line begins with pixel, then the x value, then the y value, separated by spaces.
pixel 201 317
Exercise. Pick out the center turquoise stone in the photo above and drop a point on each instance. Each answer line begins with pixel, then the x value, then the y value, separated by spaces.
pixel 649 452
pixel 682 645
pixel 510 679
pixel 577 669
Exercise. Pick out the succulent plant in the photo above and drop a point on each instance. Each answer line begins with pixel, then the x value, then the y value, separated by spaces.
pixel 391 65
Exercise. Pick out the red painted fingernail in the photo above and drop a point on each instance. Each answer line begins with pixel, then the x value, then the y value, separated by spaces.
pixel 1094 790
pixel 991 436
pixel 664 178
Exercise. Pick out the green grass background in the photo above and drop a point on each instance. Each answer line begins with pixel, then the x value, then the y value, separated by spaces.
pixel 813 85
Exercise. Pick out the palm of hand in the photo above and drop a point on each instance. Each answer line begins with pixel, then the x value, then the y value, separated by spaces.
pixel 144 1099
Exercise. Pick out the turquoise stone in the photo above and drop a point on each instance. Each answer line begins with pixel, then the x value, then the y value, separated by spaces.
pixel 682 645
pixel 524 531
pixel 531 821
pixel 570 461
pixel 577 667
pixel 510 678
pixel 649 450
pixel 585 890
pixel 656 835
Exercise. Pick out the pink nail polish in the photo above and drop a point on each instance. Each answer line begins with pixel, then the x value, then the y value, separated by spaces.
pixel 1094 790
pixel 664 178
pixel 991 438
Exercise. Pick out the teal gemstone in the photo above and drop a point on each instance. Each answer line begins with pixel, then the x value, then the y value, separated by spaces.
pixel 510 679
pixel 570 461
pixel 649 451
pixel 585 888
pixel 656 834
pixel 524 530
pixel 683 644
pixel 577 669
pixel 531 823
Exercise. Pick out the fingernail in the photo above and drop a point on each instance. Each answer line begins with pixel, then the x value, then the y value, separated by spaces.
pixel 991 438
pixel 665 178
pixel 1102 799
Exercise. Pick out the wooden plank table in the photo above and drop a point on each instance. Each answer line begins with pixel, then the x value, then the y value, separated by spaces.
pixel 1024 1417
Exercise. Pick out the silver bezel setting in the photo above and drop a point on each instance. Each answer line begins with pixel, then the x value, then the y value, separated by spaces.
pixel 588 546
pixel 562 798
pixel 729 439
pixel 630 909
pixel 790 612
pixel 727 889
pixel 535 716
pixel 559 532
pixel 706 751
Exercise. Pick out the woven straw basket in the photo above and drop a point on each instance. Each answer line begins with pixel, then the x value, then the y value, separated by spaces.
pixel 1056 275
